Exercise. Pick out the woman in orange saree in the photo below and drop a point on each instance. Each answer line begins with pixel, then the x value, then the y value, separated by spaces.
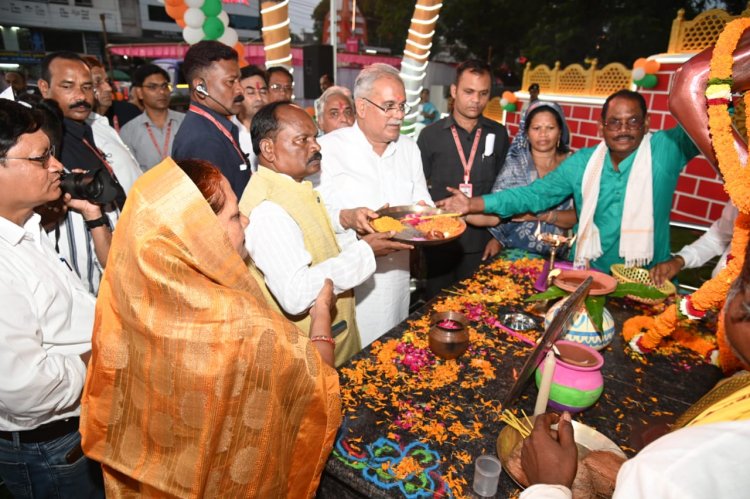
pixel 196 388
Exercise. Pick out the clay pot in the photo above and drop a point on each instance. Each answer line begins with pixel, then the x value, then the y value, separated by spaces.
pixel 448 335
pixel 577 382
pixel 581 328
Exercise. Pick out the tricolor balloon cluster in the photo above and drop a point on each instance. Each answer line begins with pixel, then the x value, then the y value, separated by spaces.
pixel 508 101
pixel 644 73
pixel 204 20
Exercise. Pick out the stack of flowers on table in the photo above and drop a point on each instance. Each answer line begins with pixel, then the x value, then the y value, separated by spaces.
pixel 646 333
pixel 416 453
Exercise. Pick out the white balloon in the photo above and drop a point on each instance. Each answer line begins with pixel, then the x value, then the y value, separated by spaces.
pixel 230 38
pixel 224 18
pixel 639 73
pixel 194 4
pixel 194 17
pixel 503 102
pixel 192 35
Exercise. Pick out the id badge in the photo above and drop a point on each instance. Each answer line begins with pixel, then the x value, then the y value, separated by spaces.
pixel 467 189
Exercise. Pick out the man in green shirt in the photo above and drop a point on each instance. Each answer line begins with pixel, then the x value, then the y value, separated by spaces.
pixel 624 124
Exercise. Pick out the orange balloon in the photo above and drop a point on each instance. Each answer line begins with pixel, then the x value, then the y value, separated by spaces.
pixel 180 22
pixel 651 67
pixel 174 3
pixel 311 111
pixel 176 12
pixel 639 63
pixel 510 96
pixel 240 49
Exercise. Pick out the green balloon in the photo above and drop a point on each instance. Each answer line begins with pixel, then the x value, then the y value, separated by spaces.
pixel 648 81
pixel 510 107
pixel 211 8
pixel 213 28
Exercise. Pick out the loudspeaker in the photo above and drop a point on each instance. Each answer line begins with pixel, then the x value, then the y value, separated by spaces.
pixel 317 60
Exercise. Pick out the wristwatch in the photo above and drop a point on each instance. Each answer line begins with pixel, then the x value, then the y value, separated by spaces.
pixel 98 222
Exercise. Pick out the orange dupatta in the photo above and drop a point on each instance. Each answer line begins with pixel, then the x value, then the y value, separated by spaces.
pixel 195 386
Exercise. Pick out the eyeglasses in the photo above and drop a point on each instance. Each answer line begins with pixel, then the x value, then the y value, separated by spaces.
pixel 391 107
pixel 153 87
pixel 43 160
pixel 634 123
pixel 277 87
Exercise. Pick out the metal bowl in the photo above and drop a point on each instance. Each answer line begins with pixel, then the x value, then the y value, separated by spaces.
pixel 413 236
pixel 518 321
pixel 586 437
pixel 449 341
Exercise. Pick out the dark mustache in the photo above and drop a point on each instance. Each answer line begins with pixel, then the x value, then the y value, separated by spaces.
pixel 315 157
pixel 80 103
pixel 239 98
pixel 630 137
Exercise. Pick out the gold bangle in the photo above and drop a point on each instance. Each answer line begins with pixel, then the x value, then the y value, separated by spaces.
pixel 327 339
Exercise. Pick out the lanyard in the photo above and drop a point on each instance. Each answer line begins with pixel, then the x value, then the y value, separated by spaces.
pixel 166 139
pixel 218 125
pixel 98 154
pixel 467 164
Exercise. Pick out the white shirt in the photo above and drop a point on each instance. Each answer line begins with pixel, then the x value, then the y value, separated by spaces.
pixel 276 245
pixel 696 462
pixel 716 241
pixel 246 144
pixel 353 175
pixel 46 323
pixel 115 151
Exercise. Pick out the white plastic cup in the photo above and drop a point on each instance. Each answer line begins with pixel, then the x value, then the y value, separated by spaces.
pixel 487 471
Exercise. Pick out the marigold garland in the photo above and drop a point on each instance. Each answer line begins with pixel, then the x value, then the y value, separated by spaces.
pixel 644 334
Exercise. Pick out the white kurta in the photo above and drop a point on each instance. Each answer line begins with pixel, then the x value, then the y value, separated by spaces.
pixel 123 163
pixel 353 175
pixel 692 463
pixel 716 241
pixel 277 246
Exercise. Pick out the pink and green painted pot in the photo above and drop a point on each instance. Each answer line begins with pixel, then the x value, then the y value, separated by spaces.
pixel 577 382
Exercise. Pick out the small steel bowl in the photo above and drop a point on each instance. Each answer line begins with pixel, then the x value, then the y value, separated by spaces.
pixel 449 341
pixel 518 321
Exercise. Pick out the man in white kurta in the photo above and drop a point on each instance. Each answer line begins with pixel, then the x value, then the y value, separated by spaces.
pixel 371 164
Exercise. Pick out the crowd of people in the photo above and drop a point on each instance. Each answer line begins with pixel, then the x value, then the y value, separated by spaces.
pixel 178 289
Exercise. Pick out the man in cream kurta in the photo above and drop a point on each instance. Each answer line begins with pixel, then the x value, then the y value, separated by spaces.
pixel 290 237
pixel 372 164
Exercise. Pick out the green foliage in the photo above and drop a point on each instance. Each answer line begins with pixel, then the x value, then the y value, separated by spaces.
pixel 595 309
pixel 551 293
pixel 636 289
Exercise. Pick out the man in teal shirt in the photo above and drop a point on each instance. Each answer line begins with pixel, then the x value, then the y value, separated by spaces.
pixel 623 125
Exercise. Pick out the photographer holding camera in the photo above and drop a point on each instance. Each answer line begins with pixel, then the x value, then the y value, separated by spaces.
pixel 83 236
pixel 45 327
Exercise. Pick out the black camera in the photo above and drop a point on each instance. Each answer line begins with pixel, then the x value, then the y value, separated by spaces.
pixel 97 186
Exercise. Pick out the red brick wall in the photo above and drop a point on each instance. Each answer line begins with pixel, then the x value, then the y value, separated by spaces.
pixel 699 197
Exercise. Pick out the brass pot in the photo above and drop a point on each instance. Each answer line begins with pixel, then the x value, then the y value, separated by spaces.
pixel 449 340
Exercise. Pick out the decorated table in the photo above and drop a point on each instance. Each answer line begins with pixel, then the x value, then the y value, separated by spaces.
pixel 414 423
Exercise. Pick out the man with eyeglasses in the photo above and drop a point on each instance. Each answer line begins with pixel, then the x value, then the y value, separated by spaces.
pixel 280 84
pixel 253 81
pixel 334 109
pixel 465 149
pixel 45 325
pixel 83 242
pixel 371 164
pixel 622 189
pixel 151 134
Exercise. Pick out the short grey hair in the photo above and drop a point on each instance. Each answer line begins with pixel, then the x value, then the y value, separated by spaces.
pixel 367 77
pixel 320 104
